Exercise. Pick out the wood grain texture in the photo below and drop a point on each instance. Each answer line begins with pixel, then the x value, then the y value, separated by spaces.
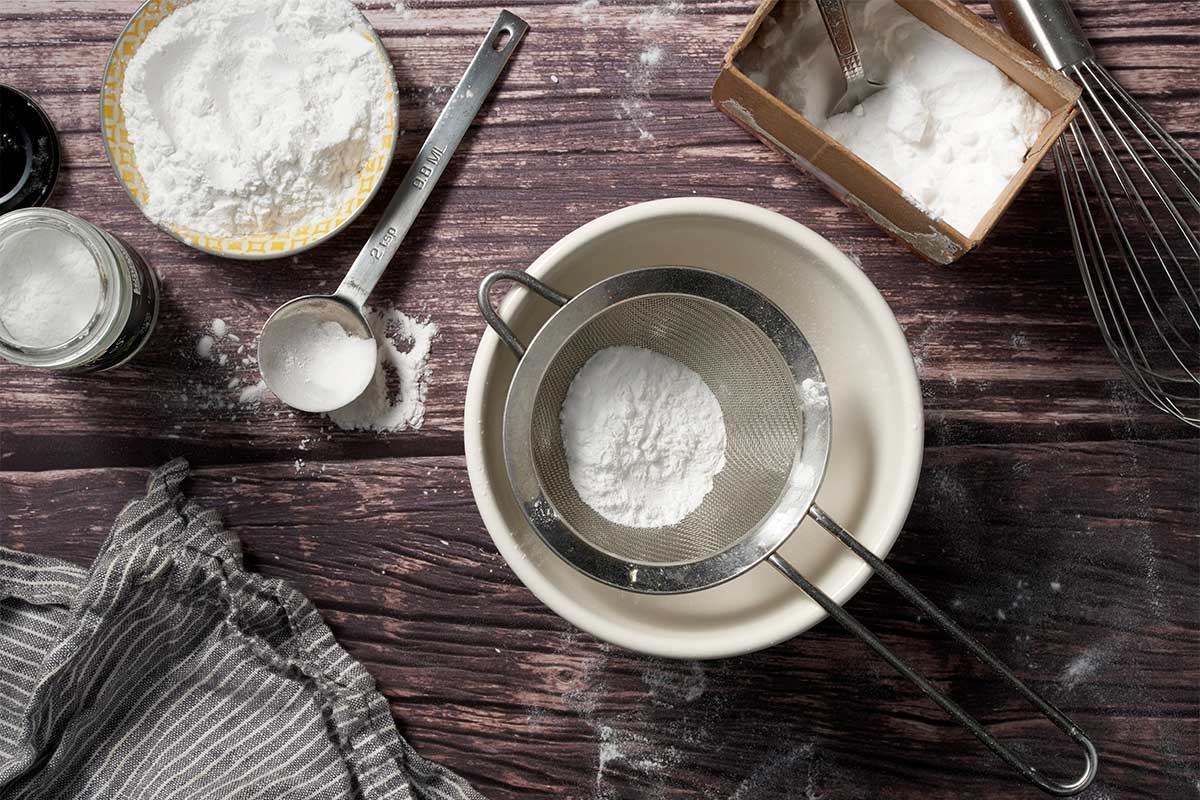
pixel 1092 603
pixel 1057 516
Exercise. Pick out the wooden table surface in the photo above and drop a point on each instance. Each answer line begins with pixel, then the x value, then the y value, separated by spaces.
pixel 1057 514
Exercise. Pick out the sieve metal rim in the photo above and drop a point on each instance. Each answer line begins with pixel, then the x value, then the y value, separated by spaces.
pixel 536 358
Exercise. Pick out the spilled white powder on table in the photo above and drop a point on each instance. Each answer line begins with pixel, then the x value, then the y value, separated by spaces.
pixel 634 104
pixel 643 435
pixel 221 373
pixel 950 129
pixel 395 398
pixel 204 346
pixel 254 118
pixel 49 287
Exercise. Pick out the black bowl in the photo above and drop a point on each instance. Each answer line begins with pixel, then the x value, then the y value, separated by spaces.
pixel 29 152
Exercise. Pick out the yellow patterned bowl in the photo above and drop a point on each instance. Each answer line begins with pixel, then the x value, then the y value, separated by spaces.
pixel 256 246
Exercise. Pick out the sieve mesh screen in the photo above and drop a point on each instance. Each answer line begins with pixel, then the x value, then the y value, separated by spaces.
pixel 758 398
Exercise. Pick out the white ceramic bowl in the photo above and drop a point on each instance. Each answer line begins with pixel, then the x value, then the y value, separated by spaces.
pixel 875 398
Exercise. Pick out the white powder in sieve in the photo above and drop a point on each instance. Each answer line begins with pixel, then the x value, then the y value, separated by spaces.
pixel 950 129
pixel 49 287
pixel 395 398
pixel 254 118
pixel 314 364
pixel 643 435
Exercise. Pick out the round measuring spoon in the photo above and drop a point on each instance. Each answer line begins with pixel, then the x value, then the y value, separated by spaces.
pixel 313 350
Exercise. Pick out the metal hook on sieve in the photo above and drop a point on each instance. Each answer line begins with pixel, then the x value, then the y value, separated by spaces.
pixel 744 346
pixel 493 319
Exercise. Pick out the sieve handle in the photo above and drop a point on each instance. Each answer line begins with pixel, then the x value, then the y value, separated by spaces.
pixel 910 593
pixel 493 317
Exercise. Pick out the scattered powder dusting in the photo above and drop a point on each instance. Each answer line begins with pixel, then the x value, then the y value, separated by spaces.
pixel 922 343
pixel 204 346
pixel 651 57
pixel 669 687
pixel 813 393
pixel 395 398
pixel 635 100
pixel 638 742
pixel 252 394
pixel 219 375
pixel 585 10
pixel 1084 666
pixel 644 436
pixel 642 748
pixel 950 129
pixel 784 773
pixel 199 92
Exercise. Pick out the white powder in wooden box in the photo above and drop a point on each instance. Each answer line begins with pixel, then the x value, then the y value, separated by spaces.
pixel 950 129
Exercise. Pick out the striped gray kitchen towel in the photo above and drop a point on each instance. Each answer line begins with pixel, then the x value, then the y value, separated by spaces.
pixel 169 672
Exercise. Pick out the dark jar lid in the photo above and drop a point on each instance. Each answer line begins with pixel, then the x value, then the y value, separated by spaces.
pixel 29 152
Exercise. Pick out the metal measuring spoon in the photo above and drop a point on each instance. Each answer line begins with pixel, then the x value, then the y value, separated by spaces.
pixel 345 306
pixel 858 86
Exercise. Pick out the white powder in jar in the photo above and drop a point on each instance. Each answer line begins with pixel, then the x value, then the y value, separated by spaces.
pixel 254 118
pixel 49 287
pixel 314 364
pixel 643 435
pixel 950 129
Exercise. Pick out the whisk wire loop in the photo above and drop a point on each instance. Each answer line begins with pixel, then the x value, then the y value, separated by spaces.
pixel 1132 211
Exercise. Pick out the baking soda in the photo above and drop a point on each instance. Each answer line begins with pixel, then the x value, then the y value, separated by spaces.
pixel 950 129
pixel 49 287
pixel 394 400
pixel 315 364
pixel 255 118
pixel 644 436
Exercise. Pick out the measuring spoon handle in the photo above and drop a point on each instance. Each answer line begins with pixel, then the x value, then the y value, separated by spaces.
pixel 430 162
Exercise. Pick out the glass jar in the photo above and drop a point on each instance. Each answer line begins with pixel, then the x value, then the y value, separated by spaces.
pixel 126 305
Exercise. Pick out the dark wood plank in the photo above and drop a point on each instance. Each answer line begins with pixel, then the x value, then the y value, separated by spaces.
pixel 1058 515
pixel 545 158
pixel 1075 561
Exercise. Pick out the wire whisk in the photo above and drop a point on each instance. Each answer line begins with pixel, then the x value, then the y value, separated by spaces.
pixel 1131 199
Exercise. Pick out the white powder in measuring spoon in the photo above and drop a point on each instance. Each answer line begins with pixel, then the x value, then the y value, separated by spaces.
pixel 313 364
pixel 644 436
pixel 49 287
pixel 950 129
pixel 254 117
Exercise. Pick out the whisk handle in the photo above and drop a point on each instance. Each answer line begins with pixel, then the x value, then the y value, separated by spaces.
pixel 910 593
pixel 493 317
pixel 1047 27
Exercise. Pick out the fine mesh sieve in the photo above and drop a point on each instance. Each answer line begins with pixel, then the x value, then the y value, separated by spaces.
pixel 749 354
pixel 777 420
pixel 752 384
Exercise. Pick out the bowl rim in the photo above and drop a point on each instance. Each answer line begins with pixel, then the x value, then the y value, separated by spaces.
pixel 556 596
pixel 245 256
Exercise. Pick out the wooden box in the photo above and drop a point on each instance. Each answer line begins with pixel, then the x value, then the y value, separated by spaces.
pixel 860 185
